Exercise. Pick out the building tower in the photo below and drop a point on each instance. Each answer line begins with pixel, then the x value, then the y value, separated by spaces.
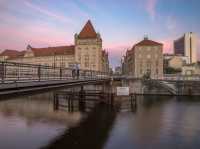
pixel 88 48
pixel 187 46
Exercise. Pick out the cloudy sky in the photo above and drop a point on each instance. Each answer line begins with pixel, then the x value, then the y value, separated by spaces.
pixel 122 23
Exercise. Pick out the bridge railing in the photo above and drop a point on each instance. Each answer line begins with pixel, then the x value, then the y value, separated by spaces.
pixel 20 72
pixel 180 77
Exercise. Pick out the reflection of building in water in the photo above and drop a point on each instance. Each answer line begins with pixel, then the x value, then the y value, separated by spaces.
pixel 38 108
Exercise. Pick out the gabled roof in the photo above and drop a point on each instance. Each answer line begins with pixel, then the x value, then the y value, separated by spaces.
pixel 11 53
pixel 88 31
pixel 147 42
pixel 50 51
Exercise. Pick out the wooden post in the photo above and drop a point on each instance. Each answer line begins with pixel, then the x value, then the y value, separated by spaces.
pixel 56 102
pixel 112 99
pixel 82 99
pixel 69 104
pixel 72 105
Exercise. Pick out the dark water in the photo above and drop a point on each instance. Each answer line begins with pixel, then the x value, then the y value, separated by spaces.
pixel 30 122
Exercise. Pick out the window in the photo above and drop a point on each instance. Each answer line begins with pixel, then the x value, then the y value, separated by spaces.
pixel 86 60
pixel 148 65
pixel 157 64
pixel 148 56
pixel 157 71
pixel 79 57
pixel 141 65
pixel 140 70
pixel 87 57
pixel 86 64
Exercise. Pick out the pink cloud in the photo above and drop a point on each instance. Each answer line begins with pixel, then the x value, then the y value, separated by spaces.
pixel 48 13
pixel 150 7
pixel 38 35
pixel 171 23
pixel 167 46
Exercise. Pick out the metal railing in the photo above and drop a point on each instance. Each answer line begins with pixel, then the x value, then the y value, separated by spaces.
pixel 20 72
pixel 179 77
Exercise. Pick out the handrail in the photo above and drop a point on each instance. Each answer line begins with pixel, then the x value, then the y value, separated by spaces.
pixel 22 72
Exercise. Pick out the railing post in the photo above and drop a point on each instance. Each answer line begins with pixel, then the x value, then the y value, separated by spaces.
pixel 2 71
pixel 39 73
pixel 18 72
pixel 60 73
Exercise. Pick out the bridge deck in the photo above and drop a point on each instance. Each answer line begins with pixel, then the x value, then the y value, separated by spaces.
pixel 19 87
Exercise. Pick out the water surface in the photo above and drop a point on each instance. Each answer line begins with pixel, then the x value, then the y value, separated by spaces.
pixel 156 122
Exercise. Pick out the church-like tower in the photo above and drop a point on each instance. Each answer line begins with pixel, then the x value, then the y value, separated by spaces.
pixel 88 48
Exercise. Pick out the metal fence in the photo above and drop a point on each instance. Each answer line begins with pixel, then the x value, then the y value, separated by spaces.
pixel 180 77
pixel 20 72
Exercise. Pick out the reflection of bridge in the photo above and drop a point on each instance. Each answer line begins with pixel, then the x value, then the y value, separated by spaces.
pixel 19 77
pixel 91 133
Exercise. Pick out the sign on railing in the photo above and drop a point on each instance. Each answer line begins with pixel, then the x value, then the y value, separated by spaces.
pixel 122 91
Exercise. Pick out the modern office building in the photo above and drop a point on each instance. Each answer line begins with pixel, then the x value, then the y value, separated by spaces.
pixel 187 46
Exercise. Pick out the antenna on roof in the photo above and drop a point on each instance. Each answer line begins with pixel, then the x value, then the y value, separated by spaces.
pixel 28 47
pixel 145 37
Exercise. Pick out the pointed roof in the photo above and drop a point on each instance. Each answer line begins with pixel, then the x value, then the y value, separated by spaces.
pixel 88 31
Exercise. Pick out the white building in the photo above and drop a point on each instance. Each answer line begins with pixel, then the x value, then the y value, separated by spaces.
pixel 187 46
pixel 191 69
pixel 175 61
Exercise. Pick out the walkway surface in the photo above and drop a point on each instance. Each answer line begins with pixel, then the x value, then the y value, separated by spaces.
pixel 19 87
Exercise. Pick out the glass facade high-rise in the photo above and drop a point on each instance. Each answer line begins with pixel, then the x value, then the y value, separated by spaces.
pixel 187 46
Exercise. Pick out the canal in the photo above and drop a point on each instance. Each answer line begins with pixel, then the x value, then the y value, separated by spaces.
pixel 31 122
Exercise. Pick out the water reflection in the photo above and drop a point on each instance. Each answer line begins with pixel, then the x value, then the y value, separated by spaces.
pixel 92 133
pixel 160 122
pixel 155 122
pixel 30 121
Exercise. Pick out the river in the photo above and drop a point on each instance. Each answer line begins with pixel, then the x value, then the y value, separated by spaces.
pixel 31 122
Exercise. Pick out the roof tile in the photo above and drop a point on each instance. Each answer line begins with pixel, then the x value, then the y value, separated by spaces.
pixel 50 51
pixel 147 42
pixel 88 31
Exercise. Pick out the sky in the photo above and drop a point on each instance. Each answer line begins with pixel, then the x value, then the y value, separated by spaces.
pixel 121 23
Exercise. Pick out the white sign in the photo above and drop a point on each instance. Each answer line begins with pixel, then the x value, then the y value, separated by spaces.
pixel 122 91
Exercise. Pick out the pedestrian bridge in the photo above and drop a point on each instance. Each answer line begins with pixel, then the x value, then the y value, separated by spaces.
pixel 19 77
